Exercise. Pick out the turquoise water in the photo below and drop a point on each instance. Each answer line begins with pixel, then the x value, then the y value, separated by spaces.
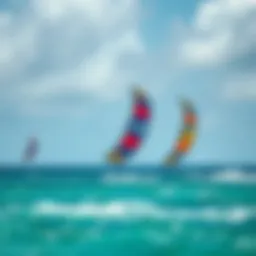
pixel 89 211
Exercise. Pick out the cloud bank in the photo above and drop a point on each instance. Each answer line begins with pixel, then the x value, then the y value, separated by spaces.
pixel 55 52
pixel 222 37
pixel 53 48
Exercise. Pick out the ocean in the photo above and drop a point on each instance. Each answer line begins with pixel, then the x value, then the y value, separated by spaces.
pixel 90 210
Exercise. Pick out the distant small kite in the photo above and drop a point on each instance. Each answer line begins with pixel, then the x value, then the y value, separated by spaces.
pixel 31 150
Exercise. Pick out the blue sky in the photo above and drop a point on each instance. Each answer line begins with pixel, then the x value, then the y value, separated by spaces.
pixel 67 67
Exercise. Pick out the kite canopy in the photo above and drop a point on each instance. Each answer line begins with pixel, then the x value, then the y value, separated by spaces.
pixel 31 150
pixel 136 131
pixel 186 136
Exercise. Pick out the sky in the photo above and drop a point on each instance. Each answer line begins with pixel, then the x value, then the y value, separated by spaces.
pixel 67 68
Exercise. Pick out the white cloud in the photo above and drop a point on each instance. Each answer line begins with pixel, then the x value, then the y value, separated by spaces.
pixel 60 46
pixel 222 38
pixel 99 73
pixel 222 31
pixel 241 88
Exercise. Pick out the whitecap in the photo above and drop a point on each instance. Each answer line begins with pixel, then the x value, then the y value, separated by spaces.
pixel 136 210
pixel 233 176
pixel 111 179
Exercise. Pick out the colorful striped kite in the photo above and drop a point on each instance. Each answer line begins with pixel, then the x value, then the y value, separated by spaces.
pixel 132 139
pixel 187 134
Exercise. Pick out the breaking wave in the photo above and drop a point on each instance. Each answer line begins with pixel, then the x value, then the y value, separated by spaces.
pixel 233 176
pixel 127 210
